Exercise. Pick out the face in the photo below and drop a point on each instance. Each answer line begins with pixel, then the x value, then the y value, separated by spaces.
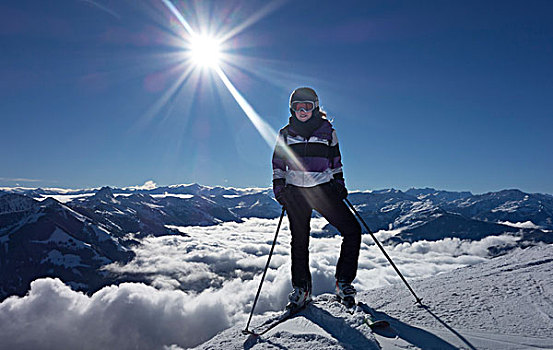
pixel 303 116
pixel 303 110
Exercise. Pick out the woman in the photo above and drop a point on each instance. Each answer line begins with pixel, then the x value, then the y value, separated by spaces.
pixel 307 175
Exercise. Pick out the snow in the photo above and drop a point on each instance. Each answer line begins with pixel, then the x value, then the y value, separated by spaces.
pixel 61 238
pixel 465 202
pixel 390 207
pixel 151 205
pixel 76 215
pixel 325 324
pixel 504 303
pixel 102 234
pixel 66 260
pixel 509 207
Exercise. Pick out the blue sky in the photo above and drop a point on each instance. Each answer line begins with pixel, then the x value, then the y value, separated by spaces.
pixel 451 95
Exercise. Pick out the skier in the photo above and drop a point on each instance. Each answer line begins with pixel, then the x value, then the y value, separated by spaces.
pixel 307 175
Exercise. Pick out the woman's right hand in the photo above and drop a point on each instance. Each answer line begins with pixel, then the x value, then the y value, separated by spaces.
pixel 280 189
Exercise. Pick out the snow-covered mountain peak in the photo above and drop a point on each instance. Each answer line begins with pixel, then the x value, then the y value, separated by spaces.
pixel 104 195
pixel 105 192
pixel 50 203
pixel 11 202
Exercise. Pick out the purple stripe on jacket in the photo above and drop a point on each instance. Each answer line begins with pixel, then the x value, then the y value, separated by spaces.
pixel 282 162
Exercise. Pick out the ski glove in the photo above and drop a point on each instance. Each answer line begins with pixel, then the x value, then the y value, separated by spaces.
pixel 339 186
pixel 279 189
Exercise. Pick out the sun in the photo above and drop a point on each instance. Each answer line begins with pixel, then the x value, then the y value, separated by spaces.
pixel 205 51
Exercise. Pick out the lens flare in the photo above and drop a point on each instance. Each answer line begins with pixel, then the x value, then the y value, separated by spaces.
pixel 263 128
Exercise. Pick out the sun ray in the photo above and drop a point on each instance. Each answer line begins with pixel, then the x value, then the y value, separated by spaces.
pixel 274 72
pixel 178 15
pixel 167 95
pixel 263 128
pixel 256 17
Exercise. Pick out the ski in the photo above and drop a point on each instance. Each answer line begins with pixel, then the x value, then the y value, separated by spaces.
pixel 350 307
pixel 375 324
pixel 273 322
pixel 369 319
pixel 349 303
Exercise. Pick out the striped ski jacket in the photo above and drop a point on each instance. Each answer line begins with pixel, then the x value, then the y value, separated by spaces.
pixel 307 162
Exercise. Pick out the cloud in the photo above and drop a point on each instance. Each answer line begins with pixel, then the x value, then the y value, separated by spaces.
pixel 526 224
pixel 207 257
pixel 213 257
pixel 148 185
pixel 205 281
pixel 19 179
pixel 129 316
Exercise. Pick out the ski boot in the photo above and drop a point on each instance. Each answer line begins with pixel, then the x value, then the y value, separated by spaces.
pixel 298 298
pixel 345 293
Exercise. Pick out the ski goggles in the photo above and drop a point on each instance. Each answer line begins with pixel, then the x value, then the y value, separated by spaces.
pixel 306 106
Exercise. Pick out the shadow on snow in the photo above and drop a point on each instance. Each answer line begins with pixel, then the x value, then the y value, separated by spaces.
pixel 351 338
pixel 416 336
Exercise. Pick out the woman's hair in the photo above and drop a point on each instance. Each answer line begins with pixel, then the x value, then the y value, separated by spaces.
pixel 323 115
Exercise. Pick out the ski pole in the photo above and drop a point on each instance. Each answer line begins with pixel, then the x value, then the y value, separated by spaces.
pixel 419 300
pixel 246 331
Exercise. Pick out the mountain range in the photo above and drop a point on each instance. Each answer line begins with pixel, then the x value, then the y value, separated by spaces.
pixel 73 234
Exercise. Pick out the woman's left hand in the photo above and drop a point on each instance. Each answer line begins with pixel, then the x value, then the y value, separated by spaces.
pixel 340 189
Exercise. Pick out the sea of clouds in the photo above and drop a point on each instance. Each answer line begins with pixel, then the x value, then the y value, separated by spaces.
pixel 204 281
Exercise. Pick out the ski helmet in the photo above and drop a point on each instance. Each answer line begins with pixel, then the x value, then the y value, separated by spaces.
pixel 304 94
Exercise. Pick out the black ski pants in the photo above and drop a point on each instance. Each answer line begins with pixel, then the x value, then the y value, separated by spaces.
pixel 300 201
